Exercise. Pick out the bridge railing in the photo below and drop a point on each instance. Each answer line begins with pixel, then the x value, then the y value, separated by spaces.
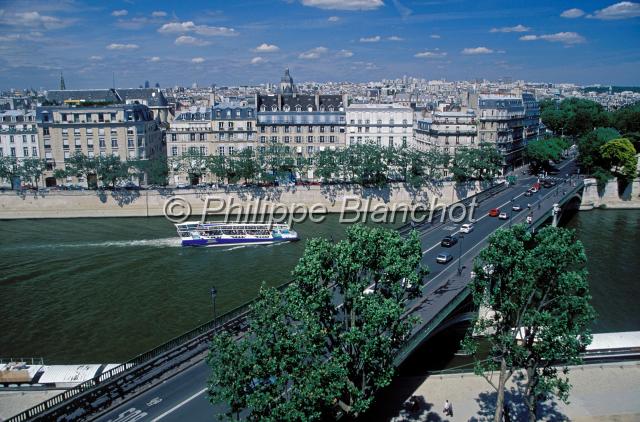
pixel 63 403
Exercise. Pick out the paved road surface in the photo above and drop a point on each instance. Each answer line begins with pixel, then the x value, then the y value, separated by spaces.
pixel 183 397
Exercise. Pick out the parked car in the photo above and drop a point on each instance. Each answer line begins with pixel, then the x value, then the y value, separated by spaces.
pixel 494 212
pixel 443 258
pixel 503 216
pixel 516 207
pixel 466 228
pixel 449 241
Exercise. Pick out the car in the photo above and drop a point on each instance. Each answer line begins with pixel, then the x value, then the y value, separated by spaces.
pixel 528 193
pixel 183 186
pixel 466 228
pixel 546 184
pixel 534 189
pixel 516 207
pixel 449 241
pixel 503 216
pixel 443 258
pixel 494 212
pixel 552 182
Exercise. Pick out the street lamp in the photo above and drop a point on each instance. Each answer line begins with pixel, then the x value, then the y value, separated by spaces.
pixel 461 237
pixel 214 293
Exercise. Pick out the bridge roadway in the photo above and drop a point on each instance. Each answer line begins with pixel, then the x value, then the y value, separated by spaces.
pixel 183 396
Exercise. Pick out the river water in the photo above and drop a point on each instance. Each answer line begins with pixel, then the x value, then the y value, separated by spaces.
pixel 103 290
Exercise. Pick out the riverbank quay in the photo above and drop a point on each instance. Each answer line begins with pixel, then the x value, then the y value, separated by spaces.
pixel 600 392
pixel 611 196
pixel 232 200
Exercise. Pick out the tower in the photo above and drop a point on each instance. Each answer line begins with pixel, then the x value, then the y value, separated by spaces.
pixel 286 83
pixel 62 85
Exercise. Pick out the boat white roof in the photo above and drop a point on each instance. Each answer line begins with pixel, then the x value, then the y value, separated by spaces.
pixel 622 340
pixel 68 374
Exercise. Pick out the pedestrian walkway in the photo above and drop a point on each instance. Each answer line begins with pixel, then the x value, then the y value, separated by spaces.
pixel 601 392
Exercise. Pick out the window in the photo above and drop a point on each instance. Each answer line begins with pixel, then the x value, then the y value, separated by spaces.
pixel 404 141
pixel 114 143
pixel 66 155
pixel 90 143
pixel 11 138
pixel 33 138
pixel 101 143
pixel 34 151
pixel 1 152
pixel 263 129
pixel 332 129
pixel 174 137
pixel 91 154
pixel 286 129
pixel 64 117
pixel 65 132
pixel 202 136
pixel 309 139
pixel 286 139
pixel 192 136
pixel 203 150
pixel 322 139
pixel 332 139
pixel 263 139
pixel 230 125
pixel 221 136
pixel 65 143
pixel 25 151
pixel 76 131
pixel 101 118
pixel 220 150
pixel 77 141
pixel 101 131
pixel 298 139
pixel 310 149
pixel 45 131
pixel 298 129
pixel 274 129
pixel 231 150
pixel 13 151
pixel 262 150
pixel 174 151
pixel 391 122
pixel 130 143
pixel 220 125
pixel 310 129
pixel 321 129
pixel 249 126
pixel 274 139
pixel 391 141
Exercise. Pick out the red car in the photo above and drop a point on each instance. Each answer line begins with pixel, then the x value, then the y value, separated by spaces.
pixel 494 212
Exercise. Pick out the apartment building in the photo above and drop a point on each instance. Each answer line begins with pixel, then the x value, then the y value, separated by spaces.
pixel 18 134
pixel 302 123
pixel 389 125
pixel 447 131
pixel 501 122
pixel 127 130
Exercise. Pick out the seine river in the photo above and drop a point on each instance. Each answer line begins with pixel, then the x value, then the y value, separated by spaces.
pixel 103 290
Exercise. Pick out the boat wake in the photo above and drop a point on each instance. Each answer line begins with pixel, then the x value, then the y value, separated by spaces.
pixel 158 243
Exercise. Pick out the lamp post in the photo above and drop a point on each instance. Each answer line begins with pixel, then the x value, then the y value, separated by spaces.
pixel 461 236
pixel 214 293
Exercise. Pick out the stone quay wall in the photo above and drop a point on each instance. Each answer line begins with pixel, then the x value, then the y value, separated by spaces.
pixel 150 203
pixel 611 195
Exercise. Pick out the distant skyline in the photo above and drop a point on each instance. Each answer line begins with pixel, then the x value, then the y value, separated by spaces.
pixel 251 42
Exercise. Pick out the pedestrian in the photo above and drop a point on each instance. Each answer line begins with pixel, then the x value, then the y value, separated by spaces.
pixel 446 409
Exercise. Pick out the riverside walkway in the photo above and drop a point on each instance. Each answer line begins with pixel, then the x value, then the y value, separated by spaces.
pixel 601 392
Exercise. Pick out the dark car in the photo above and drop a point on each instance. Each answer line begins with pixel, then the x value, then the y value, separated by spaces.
pixel 528 193
pixel 546 184
pixel 449 241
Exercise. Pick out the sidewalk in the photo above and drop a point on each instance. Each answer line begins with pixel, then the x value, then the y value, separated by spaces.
pixel 601 392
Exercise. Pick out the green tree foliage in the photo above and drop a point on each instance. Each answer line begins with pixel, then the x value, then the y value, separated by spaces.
pixel 619 156
pixel 589 147
pixel 483 163
pixel 573 116
pixel 31 170
pixel 9 169
pixel 111 170
pixel 326 164
pixel 245 164
pixel 543 150
pixel 80 165
pixel 537 286
pixel 627 119
pixel 155 169
pixel 305 357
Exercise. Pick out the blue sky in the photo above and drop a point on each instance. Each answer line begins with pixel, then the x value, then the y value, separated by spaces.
pixel 247 42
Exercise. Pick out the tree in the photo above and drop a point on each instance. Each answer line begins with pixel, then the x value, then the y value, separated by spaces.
pixel 111 170
pixel 573 116
pixel 31 170
pixel 326 164
pixel 619 155
pixel 543 150
pixel 305 356
pixel 482 163
pixel 245 164
pixel 537 287
pixel 627 119
pixel 80 165
pixel 589 147
pixel 155 169
pixel 9 169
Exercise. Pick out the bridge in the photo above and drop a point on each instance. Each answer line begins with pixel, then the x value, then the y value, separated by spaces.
pixel 169 381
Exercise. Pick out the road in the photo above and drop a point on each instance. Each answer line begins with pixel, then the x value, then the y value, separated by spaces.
pixel 183 396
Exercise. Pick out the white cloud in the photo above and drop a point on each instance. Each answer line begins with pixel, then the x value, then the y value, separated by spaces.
pixel 477 50
pixel 116 46
pixel 344 4
pixel 622 10
pixel 257 60
pixel 344 53
pixel 197 60
pixel 517 28
pixel 189 26
pixel 34 20
pixel 572 13
pixel 333 19
pixel 266 48
pixel 122 12
pixel 562 37
pixel 159 14
pixel 314 53
pixel 95 58
pixel 154 59
pixel 435 36
pixel 370 39
pixel 189 40
pixel 395 38
pixel 434 54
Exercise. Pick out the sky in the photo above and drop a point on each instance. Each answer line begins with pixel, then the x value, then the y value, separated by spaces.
pixel 236 42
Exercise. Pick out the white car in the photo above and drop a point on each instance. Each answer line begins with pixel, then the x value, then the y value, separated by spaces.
pixel 503 216
pixel 466 228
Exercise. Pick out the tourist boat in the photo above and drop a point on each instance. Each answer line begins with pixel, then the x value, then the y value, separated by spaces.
pixel 231 234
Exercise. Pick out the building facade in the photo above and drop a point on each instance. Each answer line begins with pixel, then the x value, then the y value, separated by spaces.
pixel 389 125
pixel 19 134
pixel 501 123
pixel 127 130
